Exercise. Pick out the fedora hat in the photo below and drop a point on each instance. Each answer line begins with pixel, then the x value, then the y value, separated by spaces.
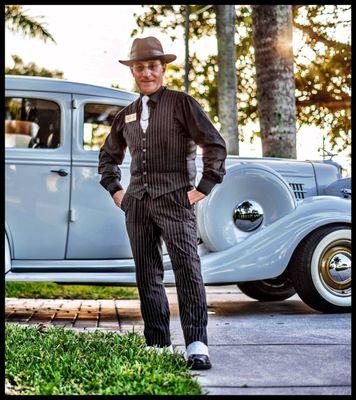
pixel 147 49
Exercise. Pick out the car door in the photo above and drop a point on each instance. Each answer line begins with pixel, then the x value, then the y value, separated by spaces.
pixel 97 226
pixel 37 172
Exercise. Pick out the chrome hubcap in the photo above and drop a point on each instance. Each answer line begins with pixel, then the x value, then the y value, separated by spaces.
pixel 335 267
pixel 248 215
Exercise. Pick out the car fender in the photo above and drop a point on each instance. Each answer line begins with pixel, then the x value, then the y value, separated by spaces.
pixel 340 188
pixel 246 182
pixel 7 255
pixel 266 254
pixel 9 248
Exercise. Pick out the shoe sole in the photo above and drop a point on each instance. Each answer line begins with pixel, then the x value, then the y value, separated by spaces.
pixel 198 367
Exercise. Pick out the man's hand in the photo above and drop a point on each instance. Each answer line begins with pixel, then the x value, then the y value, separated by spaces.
pixel 195 196
pixel 118 197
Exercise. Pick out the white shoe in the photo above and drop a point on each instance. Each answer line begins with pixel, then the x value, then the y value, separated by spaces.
pixel 160 350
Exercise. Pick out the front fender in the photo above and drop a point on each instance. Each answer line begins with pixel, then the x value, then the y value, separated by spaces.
pixel 266 254
pixel 340 188
pixel 7 255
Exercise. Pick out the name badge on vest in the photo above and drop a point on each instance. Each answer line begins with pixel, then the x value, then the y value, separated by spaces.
pixel 130 117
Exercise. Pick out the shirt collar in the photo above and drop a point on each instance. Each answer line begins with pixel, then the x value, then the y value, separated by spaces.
pixel 156 95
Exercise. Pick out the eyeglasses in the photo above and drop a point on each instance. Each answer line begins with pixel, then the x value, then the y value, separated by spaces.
pixel 139 68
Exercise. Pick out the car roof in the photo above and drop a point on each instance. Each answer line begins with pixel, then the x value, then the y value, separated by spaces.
pixel 16 82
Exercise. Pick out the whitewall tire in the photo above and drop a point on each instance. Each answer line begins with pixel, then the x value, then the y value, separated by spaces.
pixel 320 269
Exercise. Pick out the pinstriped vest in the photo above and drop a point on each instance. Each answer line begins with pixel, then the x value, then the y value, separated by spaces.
pixel 163 157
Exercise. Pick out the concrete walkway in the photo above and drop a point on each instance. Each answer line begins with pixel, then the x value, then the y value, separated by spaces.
pixel 256 348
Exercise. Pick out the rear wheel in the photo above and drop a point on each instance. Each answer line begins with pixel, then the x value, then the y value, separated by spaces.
pixel 320 269
pixel 275 289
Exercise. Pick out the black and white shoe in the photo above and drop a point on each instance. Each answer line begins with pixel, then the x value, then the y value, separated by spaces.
pixel 198 356
pixel 199 361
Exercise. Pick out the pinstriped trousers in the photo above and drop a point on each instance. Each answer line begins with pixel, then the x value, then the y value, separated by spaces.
pixel 169 217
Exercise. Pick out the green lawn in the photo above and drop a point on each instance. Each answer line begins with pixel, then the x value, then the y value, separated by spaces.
pixel 61 361
pixel 49 290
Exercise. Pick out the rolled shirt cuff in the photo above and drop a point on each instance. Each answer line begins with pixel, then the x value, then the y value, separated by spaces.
pixel 205 186
pixel 114 187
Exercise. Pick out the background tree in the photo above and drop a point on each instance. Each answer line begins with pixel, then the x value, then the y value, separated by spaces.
pixel 322 65
pixel 323 80
pixel 16 20
pixel 225 29
pixel 272 32
pixel 30 69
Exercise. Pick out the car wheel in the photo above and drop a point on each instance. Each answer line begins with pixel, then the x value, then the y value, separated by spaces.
pixel 275 289
pixel 320 269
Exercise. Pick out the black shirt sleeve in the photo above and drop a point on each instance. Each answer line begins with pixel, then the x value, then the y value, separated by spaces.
pixel 111 154
pixel 204 134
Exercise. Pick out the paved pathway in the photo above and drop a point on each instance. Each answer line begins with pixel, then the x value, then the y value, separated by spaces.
pixel 256 348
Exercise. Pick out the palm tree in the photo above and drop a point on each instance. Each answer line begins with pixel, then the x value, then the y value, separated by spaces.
pixel 227 81
pixel 272 34
pixel 16 20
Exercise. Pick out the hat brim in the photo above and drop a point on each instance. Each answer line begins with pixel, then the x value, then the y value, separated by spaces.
pixel 166 58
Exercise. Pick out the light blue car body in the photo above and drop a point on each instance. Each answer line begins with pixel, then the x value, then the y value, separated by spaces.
pixel 68 229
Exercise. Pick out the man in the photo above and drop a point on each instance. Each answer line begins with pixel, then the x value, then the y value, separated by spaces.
pixel 162 129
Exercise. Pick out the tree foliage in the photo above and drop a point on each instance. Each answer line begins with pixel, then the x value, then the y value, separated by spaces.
pixel 322 64
pixel 16 20
pixel 30 69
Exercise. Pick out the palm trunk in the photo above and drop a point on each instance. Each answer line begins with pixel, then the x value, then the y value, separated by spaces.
pixel 186 45
pixel 227 80
pixel 272 33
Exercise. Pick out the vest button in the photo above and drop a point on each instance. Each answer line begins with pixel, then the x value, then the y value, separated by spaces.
pixel 144 172
pixel 145 184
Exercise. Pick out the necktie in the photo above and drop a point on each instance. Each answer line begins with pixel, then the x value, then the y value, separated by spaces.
pixel 145 113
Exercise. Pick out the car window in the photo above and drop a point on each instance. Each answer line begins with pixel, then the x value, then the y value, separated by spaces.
pixel 31 123
pixel 97 123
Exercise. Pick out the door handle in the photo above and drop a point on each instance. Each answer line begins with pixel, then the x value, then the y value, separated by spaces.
pixel 60 172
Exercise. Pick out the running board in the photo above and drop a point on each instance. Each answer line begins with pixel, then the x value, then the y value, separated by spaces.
pixel 92 266
pixel 110 279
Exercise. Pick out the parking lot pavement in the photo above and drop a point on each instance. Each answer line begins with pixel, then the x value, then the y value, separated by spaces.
pixel 256 348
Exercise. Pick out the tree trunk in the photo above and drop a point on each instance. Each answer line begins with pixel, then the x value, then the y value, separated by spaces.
pixel 272 34
pixel 186 44
pixel 227 81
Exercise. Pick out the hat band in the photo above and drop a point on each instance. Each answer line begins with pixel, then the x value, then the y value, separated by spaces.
pixel 146 54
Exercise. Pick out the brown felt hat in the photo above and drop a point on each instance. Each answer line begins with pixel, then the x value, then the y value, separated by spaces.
pixel 148 48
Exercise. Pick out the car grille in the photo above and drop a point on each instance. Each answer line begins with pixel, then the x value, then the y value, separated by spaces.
pixel 297 188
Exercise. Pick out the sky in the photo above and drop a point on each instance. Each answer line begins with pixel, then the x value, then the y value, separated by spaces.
pixel 90 39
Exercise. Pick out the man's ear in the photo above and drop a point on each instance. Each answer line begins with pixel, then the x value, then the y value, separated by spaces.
pixel 164 67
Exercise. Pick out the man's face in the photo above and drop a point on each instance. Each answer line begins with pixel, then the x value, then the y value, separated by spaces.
pixel 148 75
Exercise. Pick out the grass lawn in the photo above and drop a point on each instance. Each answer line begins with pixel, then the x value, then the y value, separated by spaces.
pixel 57 361
pixel 49 290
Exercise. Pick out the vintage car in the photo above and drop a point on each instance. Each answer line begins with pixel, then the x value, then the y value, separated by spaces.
pixel 274 227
